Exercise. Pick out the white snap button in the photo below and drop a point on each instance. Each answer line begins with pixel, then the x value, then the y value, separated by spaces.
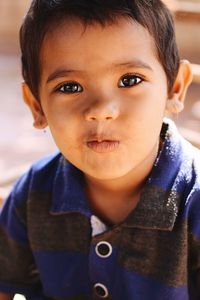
pixel 103 249
pixel 101 290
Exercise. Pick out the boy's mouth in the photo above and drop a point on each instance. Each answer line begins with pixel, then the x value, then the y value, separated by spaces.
pixel 103 146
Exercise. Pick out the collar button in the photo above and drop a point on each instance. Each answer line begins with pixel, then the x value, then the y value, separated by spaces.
pixel 103 249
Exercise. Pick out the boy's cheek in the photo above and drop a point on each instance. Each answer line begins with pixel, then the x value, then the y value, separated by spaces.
pixel 63 128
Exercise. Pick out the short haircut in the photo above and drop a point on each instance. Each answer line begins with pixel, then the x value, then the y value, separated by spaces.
pixel 45 15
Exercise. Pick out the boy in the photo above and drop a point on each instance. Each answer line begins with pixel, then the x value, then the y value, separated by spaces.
pixel 115 214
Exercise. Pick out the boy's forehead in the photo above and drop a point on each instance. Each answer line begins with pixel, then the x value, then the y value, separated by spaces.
pixel 123 30
pixel 77 45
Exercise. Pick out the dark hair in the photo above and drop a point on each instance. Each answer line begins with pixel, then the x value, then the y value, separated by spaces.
pixel 43 15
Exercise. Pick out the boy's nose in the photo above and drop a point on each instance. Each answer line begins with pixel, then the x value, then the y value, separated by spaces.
pixel 102 111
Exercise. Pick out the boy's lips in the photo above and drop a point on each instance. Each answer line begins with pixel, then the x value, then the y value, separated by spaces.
pixel 103 146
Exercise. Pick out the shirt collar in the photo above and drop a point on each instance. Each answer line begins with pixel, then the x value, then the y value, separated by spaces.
pixel 160 198
pixel 68 195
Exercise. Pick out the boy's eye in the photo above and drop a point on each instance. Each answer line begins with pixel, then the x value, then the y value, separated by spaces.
pixel 129 81
pixel 70 88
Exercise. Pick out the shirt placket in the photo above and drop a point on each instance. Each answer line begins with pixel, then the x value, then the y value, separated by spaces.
pixel 103 259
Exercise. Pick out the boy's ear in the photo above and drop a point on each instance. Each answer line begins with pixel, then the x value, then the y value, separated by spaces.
pixel 175 102
pixel 34 105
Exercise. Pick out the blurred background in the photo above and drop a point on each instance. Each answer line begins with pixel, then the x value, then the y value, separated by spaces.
pixel 20 143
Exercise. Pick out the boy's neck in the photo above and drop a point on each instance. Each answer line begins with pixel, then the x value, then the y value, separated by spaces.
pixel 113 200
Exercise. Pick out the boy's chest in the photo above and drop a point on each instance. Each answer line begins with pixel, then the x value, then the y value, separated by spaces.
pixel 122 260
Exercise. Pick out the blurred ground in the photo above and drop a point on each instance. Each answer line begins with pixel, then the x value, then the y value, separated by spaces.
pixel 20 143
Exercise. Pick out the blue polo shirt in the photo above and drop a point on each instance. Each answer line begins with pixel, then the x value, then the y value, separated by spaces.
pixel 52 246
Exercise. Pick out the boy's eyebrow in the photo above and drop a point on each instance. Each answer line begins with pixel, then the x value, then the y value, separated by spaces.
pixel 133 63
pixel 61 73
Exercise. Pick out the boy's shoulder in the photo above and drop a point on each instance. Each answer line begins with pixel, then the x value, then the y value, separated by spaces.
pixel 178 145
pixel 187 179
pixel 177 167
pixel 190 161
pixel 39 176
pixel 47 162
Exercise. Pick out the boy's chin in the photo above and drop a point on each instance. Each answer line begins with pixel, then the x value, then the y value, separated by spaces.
pixel 108 173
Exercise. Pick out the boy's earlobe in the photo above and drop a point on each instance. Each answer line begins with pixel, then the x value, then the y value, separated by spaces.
pixel 175 103
pixel 34 105
pixel 40 122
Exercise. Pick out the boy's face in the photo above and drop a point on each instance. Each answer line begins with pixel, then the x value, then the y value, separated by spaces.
pixel 103 92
